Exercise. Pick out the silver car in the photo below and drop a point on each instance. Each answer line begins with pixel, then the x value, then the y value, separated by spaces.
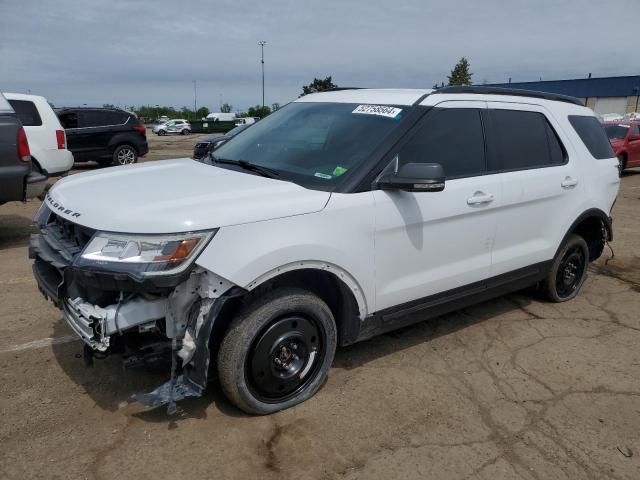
pixel 180 126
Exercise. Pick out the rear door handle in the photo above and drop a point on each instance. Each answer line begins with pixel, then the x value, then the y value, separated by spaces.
pixel 569 182
pixel 480 198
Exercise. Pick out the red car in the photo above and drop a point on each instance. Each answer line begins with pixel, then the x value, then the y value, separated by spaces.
pixel 624 137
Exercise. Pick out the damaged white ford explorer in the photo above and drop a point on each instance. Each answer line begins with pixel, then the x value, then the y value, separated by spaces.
pixel 343 215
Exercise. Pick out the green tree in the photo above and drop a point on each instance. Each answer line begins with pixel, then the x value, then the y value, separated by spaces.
pixel 258 111
pixel 275 106
pixel 202 112
pixel 226 108
pixel 318 85
pixel 460 75
pixel 108 105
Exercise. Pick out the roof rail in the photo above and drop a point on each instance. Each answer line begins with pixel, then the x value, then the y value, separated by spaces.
pixel 516 92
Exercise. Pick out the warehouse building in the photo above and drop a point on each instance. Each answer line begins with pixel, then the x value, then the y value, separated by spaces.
pixel 603 95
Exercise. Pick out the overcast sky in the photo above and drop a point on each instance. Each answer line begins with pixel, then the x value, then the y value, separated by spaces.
pixel 133 52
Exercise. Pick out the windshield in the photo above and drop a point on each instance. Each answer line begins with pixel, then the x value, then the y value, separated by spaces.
pixel 616 131
pixel 235 130
pixel 315 144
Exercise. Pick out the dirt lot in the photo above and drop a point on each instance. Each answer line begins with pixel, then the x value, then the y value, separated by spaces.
pixel 513 388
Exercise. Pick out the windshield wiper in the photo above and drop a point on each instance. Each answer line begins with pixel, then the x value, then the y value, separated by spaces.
pixel 252 167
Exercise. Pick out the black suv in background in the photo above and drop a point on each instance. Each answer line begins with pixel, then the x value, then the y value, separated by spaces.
pixel 108 136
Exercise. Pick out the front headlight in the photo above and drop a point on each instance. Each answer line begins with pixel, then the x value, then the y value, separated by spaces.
pixel 146 255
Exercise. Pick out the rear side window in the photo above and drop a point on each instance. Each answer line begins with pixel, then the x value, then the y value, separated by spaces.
pixel 93 119
pixel 68 120
pixel 592 134
pixel 522 140
pixel 453 138
pixel 27 112
pixel 116 118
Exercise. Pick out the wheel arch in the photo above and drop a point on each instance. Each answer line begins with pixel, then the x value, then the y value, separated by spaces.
pixel 332 284
pixel 595 227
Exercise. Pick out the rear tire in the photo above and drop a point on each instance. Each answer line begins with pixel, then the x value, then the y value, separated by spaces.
pixel 568 271
pixel 186 131
pixel 124 155
pixel 277 351
pixel 161 133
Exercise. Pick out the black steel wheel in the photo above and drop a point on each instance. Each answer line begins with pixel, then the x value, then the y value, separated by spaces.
pixel 277 351
pixel 569 270
pixel 284 358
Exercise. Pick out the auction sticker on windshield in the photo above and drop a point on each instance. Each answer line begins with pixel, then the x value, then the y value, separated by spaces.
pixel 381 110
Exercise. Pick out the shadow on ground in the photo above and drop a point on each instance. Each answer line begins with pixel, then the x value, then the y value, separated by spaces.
pixel 111 386
pixel 14 231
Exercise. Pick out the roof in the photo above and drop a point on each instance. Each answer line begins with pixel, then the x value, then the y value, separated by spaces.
pixel 368 96
pixel 23 96
pixel 583 87
pixel 514 92
pixel 109 109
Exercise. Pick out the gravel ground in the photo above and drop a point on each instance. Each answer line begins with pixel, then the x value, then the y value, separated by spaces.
pixel 512 388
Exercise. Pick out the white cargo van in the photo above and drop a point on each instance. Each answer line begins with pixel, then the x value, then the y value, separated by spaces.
pixel 221 117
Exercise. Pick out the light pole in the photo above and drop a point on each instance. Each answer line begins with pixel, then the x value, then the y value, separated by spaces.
pixel 195 98
pixel 262 43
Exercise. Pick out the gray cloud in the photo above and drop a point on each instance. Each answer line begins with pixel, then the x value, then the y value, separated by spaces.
pixel 134 52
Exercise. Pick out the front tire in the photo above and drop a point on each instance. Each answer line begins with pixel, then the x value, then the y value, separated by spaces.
pixel 161 133
pixel 125 155
pixel 277 351
pixel 568 271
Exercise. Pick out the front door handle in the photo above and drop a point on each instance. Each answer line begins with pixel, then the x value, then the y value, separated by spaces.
pixel 569 182
pixel 480 198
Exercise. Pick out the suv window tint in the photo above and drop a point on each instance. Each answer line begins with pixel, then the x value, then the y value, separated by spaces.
pixel 453 138
pixel 635 130
pixel 591 132
pixel 94 118
pixel 116 118
pixel 27 112
pixel 68 120
pixel 522 140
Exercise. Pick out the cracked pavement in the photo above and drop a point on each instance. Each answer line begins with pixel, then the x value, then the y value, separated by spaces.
pixel 514 388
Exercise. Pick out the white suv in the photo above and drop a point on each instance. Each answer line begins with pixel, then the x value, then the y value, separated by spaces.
pixel 332 220
pixel 180 126
pixel 47 139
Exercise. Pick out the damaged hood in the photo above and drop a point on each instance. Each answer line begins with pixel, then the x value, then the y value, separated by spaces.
pixel 176 196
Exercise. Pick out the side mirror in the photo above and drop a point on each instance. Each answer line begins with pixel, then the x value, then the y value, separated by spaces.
pixel 415 177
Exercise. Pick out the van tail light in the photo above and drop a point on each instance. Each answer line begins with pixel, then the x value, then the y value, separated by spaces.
pixel 61 139
pixel 23 146
pixel 140 128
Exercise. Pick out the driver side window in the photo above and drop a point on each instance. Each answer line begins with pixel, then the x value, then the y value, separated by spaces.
pixel 451 137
